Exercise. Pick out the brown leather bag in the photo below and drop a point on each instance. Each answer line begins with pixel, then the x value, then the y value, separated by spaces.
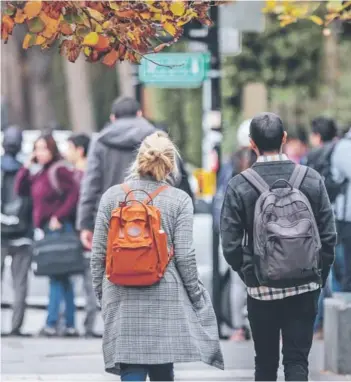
pixel 137 252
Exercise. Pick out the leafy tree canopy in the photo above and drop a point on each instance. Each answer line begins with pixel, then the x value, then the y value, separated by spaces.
pixel 320 12
pixel 111 31
pixel 107 30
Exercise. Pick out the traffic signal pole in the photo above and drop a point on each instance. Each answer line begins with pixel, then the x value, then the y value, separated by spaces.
pixel 213 45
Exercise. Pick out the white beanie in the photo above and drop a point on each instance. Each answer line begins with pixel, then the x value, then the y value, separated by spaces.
pixel 242 135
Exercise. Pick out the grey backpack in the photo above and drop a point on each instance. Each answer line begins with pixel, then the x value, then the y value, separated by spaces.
pixel 286 240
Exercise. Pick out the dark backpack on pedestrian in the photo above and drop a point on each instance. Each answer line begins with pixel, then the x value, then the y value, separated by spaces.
pixel 16 211
pixel 286 240
pixel 321 162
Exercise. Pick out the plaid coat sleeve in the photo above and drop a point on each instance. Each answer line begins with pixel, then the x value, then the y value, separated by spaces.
pixel 98 257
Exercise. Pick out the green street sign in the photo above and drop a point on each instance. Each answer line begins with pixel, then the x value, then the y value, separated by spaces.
pixel 174 70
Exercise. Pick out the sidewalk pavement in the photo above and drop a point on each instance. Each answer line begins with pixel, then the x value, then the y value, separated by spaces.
pixel 58 359
pixel 81 360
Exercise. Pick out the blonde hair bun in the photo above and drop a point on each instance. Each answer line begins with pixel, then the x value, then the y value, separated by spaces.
pixel 156 157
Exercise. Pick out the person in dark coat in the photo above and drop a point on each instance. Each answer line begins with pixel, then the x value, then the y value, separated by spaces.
pixel 109 158
pixel 16 245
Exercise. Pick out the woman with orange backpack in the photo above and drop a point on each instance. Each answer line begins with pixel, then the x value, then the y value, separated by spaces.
pixel 155 309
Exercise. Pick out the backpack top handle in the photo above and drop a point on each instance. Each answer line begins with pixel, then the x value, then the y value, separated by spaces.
pixel 280 181
pixel 130 196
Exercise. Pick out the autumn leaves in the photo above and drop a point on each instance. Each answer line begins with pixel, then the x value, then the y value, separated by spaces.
pixel 106 30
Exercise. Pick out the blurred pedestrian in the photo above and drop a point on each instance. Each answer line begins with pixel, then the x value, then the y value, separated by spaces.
pixel 16 228
pixel 117 143
pixel 341 166
pixel 323 139
pixel 52 213
pixel 77 151
pixel 278 299
pixel 240 160
pixel 148 329
pixel 296 147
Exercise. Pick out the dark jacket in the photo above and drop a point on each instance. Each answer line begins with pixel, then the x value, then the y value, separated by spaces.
pixel 182 181
pixel 109 160
pixel 10 166
pixel 238 214
pixel 47 202
pixel 318 156
pixel 12 144
pixel 341 170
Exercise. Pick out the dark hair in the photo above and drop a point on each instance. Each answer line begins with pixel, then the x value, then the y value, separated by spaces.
pixel 124 107
pixel 300 135
pixel 12 140
pixel 267 131
pixel 325 127
pixel 80 140
pixel 51 145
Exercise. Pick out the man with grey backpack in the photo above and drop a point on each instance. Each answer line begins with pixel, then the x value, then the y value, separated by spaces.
pixel 278 232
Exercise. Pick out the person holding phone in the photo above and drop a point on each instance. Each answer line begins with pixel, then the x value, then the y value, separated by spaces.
pixel 52 212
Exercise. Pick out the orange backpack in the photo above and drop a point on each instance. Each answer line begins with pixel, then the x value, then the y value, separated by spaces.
pixel 137 252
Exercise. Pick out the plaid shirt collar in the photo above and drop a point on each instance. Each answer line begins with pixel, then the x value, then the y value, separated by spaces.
pixel 272 158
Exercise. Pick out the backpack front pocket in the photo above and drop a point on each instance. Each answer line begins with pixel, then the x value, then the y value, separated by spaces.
pixel 288 257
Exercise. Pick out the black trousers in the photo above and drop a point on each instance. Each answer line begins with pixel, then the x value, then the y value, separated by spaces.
pixel 292 316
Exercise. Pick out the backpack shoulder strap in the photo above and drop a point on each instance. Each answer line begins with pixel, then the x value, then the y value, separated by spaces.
pixel 52 175
pixel 128 191
pixel 155 193
pixel 255 180
pixel 298 176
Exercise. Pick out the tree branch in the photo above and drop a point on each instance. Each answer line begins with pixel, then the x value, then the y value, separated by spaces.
pixel 143 55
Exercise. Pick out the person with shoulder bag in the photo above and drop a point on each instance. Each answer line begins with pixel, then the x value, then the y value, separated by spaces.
pixel 58 254
pixel 155 309
pixel 16 227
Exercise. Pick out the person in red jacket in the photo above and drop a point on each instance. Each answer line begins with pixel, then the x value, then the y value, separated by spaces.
pixel 52 211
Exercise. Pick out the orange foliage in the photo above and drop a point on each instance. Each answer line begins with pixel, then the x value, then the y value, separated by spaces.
pixel 103 30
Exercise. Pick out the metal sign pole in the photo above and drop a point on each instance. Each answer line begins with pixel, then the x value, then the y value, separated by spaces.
pixel 216 108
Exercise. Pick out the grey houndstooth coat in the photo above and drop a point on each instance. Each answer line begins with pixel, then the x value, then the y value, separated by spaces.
pixel 172 321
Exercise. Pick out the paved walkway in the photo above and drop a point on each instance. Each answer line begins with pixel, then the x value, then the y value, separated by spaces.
pixel 81 360
pixel 36 359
